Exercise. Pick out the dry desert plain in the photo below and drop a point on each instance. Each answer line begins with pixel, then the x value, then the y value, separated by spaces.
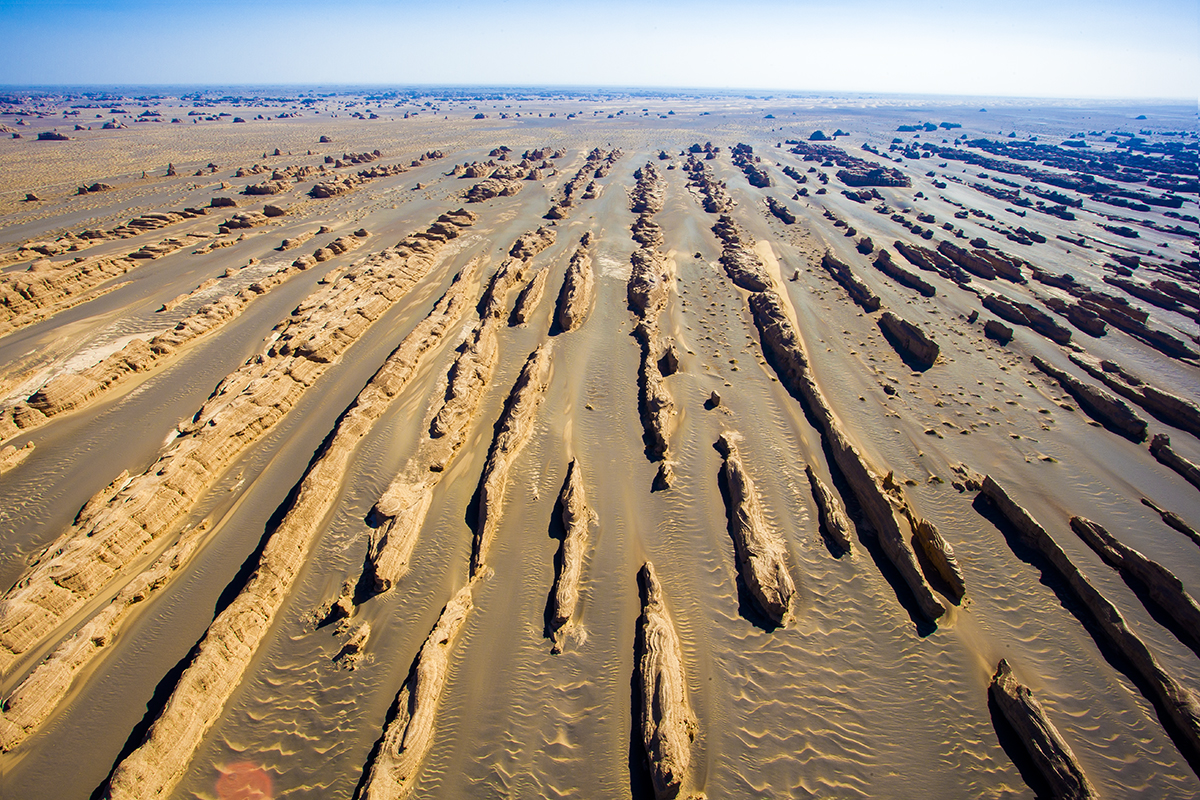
pixel 548 444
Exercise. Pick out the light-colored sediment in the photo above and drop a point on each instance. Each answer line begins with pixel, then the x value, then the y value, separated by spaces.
pixel 761 553
pixel 1160 583
pixel 37 697
pixel 47 287
pixel 407 739
pixel 665 717
pixel 512 432
pixel 74 390
pixel 229 645
pixel 1178 703
pixel 832 515
pixel 578 288
pixel 245 405
pixel 576 518
pixel 1045 745
pixel 779 340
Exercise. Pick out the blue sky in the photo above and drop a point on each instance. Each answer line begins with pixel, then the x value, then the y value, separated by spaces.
pixel 1050 48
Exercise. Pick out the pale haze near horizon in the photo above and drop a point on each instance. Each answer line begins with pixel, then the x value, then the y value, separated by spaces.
pixel 1070 49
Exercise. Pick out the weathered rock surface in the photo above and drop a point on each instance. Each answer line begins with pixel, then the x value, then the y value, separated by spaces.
pixel 12 457
pixel 576 518
pixel 884 263
pixel 859 292
pixel 400 511
pixel 741 263
pixel 665 719
pixel 578 288
pixel 1170 408
pixel 244 406
pixel 780 341
pixel 914 343
pixel 1027 315
pixel 1160 583
pixel 409 736
pixel 494 187
pixel 1178 703
pixel 932 261
pixel 512 432
pixel 832 515
pixel 40 694
pixel 655 403
pixel 1160 448
pixel 761 554
pixel 997 331
pixel 780 211
pixel 940 555
pixel 230 643
pixel 530 297
pixel 1045 745
pixel 1108 410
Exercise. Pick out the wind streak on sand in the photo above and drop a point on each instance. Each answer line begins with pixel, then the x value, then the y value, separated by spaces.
pixel 206 685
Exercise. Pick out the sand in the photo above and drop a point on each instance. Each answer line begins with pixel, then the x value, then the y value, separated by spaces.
pixel 877 685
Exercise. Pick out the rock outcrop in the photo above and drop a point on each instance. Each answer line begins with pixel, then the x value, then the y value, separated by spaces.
pixel 912 342
pixel 1112 412
pixel 1160 448
pixel 666 723
pixel 231 641
pixel 884 263
pixel 1160 583
pixel 761 554
pixel 37 697
pixel 1171 408
pixel 578 288
pixel 400 512
pixel 832 516
pixel 393 772
pixel 859 292
pixel 1027 315
pixel 576 518
pixel 530 297
pixel 1041 740
pixel 249 402
pixel 512 432
pixel 780 342
pixel 1177 703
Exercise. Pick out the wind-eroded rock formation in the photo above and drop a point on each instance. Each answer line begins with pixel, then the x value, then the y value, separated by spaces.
pixel 665 719
pixel 761 553
pixel 832 516
pixel 512 432
pixel 1177 702
pixel 576 517
pixel 233 638
pixel 650 282
pixel 913 342
pixel 1042 741
pixel 400 511
pixel 1109 410
pixel 779 340
pixel 1160 583
pixel 859 292
pixel 121 522
pixel 578 288
pixel 393 772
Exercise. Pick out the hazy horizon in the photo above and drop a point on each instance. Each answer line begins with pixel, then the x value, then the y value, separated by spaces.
pixel 1071 50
